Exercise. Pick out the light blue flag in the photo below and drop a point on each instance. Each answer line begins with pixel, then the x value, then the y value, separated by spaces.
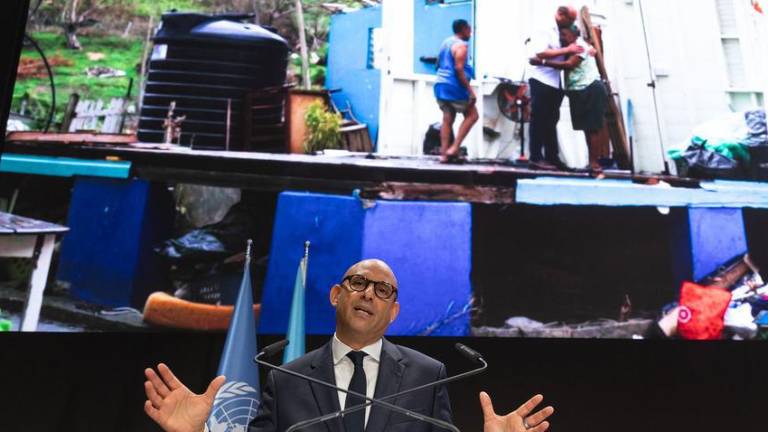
pixel 296 323
pixel 237 401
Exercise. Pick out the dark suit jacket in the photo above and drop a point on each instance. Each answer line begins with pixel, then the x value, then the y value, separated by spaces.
pixel 287 400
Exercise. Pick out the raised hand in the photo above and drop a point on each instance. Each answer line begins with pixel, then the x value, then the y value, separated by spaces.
pixel 172 405
pixel 519 420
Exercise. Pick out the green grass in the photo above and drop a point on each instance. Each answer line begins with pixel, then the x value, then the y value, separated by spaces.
pixel 156 7
pixel 121 54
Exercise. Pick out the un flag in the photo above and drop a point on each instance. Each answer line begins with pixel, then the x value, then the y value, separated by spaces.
pixel 237 401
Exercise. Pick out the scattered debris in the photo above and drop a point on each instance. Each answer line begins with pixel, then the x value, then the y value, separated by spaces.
pixel 725 305
pixel 626 309
pixel 61 313
pixel 35 68
pixel 603 329
pixel 103 72
pixel 95 56
pixel 70 138
pixel 732 146
pixel 97 116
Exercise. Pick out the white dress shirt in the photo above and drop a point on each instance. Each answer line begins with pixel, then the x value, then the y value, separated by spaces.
pixel 343 368
pixel 545 39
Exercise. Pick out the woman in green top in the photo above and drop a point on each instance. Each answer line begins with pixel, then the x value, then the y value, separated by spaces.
pixel 586 92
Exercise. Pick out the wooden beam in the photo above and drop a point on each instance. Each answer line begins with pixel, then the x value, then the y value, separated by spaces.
pixel 441 192
pixel 613 117
pixel 70 138
pixel 263 182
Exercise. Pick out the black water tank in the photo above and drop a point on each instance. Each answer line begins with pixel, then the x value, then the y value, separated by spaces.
pixel 206 63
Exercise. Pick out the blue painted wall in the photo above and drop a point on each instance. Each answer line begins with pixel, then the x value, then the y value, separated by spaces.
pixel 432 24
pixel 717 236
pixel 347 65
pixel 703 239
pixel 417 239
pixel 108 256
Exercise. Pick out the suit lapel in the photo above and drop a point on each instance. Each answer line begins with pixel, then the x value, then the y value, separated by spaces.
pixel 327 399
pixel 391 368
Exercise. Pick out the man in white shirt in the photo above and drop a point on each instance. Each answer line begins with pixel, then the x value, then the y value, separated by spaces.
pixel 588 96
pixel 546 90
pixel 358 358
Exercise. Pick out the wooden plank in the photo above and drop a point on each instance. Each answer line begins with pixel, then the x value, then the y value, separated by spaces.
pixel 70 138
pixel 96 115
pixel 441 192
pixel 16 246
pixel 69 112
pixel 358 167
pixel 251 181
pixel 728 276
pixel 13 224
pixel 113 116
pixel 614 119
pixel 38 280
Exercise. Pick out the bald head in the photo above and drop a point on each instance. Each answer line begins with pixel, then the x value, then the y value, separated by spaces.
pixel 362 316
pixel 376 266
pixel 566 16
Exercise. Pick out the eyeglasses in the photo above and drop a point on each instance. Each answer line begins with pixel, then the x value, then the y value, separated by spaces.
pixel 359 283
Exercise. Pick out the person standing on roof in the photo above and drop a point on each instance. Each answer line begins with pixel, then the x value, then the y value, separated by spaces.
pixel 546 89
pixel 586 92
pixel 453 92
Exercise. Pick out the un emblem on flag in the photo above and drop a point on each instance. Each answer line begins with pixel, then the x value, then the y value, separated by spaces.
pixel 234 407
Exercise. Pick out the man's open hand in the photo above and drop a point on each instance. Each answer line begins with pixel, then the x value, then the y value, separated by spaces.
pixel 519 420
pixel 172 405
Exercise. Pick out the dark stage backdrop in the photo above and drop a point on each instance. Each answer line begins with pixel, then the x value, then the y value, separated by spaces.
pixel 94 381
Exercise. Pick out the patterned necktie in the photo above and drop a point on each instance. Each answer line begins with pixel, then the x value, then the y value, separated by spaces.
pixel 355 421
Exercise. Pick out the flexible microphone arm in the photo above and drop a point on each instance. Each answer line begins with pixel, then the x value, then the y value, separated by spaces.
pixel 278 346
pixel 465 350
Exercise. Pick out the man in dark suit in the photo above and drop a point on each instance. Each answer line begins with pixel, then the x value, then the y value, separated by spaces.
pixel 357 358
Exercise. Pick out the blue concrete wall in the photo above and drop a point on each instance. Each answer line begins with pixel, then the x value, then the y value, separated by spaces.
pixel 431 25
pixel 333 226
pixel 717 236
pixel 347 65
pixel 428 246
pixel 107 255
pixel 703 239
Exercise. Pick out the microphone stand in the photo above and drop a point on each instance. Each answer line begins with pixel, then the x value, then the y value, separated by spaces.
pixel 278 346
pixel 473 355
pixel 466 351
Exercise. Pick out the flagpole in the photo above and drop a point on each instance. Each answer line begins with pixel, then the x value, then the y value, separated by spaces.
pixel 296 321
pixel 240 393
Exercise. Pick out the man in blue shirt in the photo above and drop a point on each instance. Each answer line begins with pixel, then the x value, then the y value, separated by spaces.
pixel 453 92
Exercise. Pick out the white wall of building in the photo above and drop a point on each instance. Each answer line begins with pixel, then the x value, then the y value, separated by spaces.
pixel 685 45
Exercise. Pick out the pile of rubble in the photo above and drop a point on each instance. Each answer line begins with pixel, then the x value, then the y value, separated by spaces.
pixel 732 303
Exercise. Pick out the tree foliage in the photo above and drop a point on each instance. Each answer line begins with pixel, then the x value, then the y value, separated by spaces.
pixel 111 17
pixel 323 128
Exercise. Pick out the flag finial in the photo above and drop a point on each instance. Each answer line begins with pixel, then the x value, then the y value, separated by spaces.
pixel 248 249
pixel 306 249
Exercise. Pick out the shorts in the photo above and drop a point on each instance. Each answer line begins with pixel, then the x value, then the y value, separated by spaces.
pixel 588 107
pixel 453 106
